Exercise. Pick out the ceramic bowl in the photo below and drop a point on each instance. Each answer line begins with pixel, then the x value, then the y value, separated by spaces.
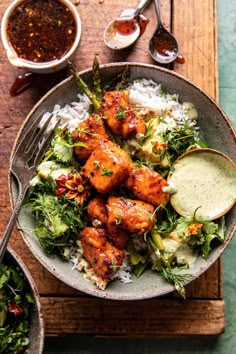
pixel 217 131
pixel 44 67
pixel 36 334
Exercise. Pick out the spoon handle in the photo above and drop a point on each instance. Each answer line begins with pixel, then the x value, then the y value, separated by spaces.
pixel 158 12
pixel 140 7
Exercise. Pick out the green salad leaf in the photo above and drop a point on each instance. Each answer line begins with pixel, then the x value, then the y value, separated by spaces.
pixel 62 146
pixel 201 232
pixel 15 303
pixel 58 220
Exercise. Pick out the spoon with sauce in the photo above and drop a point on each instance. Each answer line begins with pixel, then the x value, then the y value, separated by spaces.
pixel 203 180
pixel 163 46
pixel 125 30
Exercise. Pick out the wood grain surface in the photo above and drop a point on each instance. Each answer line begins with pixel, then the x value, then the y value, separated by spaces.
pixel 65 309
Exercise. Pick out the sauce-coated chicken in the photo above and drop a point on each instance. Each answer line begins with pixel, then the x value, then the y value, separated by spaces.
pixel 104 258
pixel 146 184
pixel 97 211
pixel 131 215
pixel 107 166
pixel 120 117
pixel 98 215
pixel 89 132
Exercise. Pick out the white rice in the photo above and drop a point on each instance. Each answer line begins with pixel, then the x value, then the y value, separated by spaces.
pixel 146 96
pixel 124 273
pixel 71 114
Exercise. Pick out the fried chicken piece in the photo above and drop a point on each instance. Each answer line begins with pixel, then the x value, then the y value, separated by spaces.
pixel 146 184
pixel 120 117
pixel 107 166
pixel 133 216
pixel 97 211
pixel 117 236
pixel 89 132
pixel 104 258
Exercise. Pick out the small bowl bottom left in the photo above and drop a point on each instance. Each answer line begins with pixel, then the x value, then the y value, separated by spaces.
pixel 36 324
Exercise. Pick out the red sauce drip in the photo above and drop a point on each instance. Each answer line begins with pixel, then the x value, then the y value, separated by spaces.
pixel 143 22
pixel 101 2
pixel 76 2
pixel 180 59
pixel 41 31
pixel 21 83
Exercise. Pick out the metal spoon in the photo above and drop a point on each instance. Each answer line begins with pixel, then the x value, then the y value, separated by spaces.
pixel 163 46
pixel 114 35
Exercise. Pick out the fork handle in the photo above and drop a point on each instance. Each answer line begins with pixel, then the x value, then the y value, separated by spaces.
pixel 11 223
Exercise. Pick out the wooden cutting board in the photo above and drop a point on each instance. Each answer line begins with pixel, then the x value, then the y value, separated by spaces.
pixel 66 311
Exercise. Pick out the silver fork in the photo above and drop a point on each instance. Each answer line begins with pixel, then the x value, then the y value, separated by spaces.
pixel 24 165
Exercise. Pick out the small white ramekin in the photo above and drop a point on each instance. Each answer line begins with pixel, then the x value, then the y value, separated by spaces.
pixel 43 68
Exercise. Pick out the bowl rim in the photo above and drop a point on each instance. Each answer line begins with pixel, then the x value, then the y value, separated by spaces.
pixel 23 63
pixel 34 289
pixel 96 292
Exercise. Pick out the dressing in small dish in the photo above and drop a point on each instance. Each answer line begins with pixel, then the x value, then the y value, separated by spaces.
pixel 203 179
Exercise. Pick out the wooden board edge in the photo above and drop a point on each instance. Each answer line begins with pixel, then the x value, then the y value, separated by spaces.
pixel 220 279
pixel 136 319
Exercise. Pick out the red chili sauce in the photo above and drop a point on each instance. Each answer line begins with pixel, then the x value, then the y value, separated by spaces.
pixel 164 46
pixel 42 30
pixel 127 27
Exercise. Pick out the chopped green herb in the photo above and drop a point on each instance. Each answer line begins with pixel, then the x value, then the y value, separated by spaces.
pixel 106 172
pixel 114 266
pixel 118 220
pixel 121 113
pixel 97 164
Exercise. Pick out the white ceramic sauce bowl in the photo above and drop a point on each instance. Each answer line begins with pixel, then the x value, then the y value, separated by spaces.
pixel 42 67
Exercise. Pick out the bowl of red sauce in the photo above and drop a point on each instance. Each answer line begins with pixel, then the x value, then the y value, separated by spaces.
pixel 41 35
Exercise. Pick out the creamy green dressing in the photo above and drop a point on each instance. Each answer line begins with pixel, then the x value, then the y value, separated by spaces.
pixel 204 179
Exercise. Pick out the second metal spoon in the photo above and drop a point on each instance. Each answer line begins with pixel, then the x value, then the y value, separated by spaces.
pixel 163 46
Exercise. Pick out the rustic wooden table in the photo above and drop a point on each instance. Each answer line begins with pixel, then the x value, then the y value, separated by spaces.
pixel 66 311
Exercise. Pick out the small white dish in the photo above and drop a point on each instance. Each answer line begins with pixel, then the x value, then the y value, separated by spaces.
pixel 39 67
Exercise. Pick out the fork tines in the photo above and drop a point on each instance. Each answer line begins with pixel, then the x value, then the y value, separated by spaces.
pixel 35 140
pixel 36 132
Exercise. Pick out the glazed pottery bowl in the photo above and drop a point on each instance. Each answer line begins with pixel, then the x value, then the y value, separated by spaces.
pixel 216 130
pixel 36 332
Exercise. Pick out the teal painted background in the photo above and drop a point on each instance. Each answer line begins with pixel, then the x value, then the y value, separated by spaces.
pixel 226 343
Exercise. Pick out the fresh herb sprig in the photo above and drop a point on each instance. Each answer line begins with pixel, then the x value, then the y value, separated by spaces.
pixel 179 140
pixel 58 220
pixel 176 278
pixel 61 147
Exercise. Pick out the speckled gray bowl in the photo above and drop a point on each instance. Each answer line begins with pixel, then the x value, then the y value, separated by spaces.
pixel 36 334
pixel 217 131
